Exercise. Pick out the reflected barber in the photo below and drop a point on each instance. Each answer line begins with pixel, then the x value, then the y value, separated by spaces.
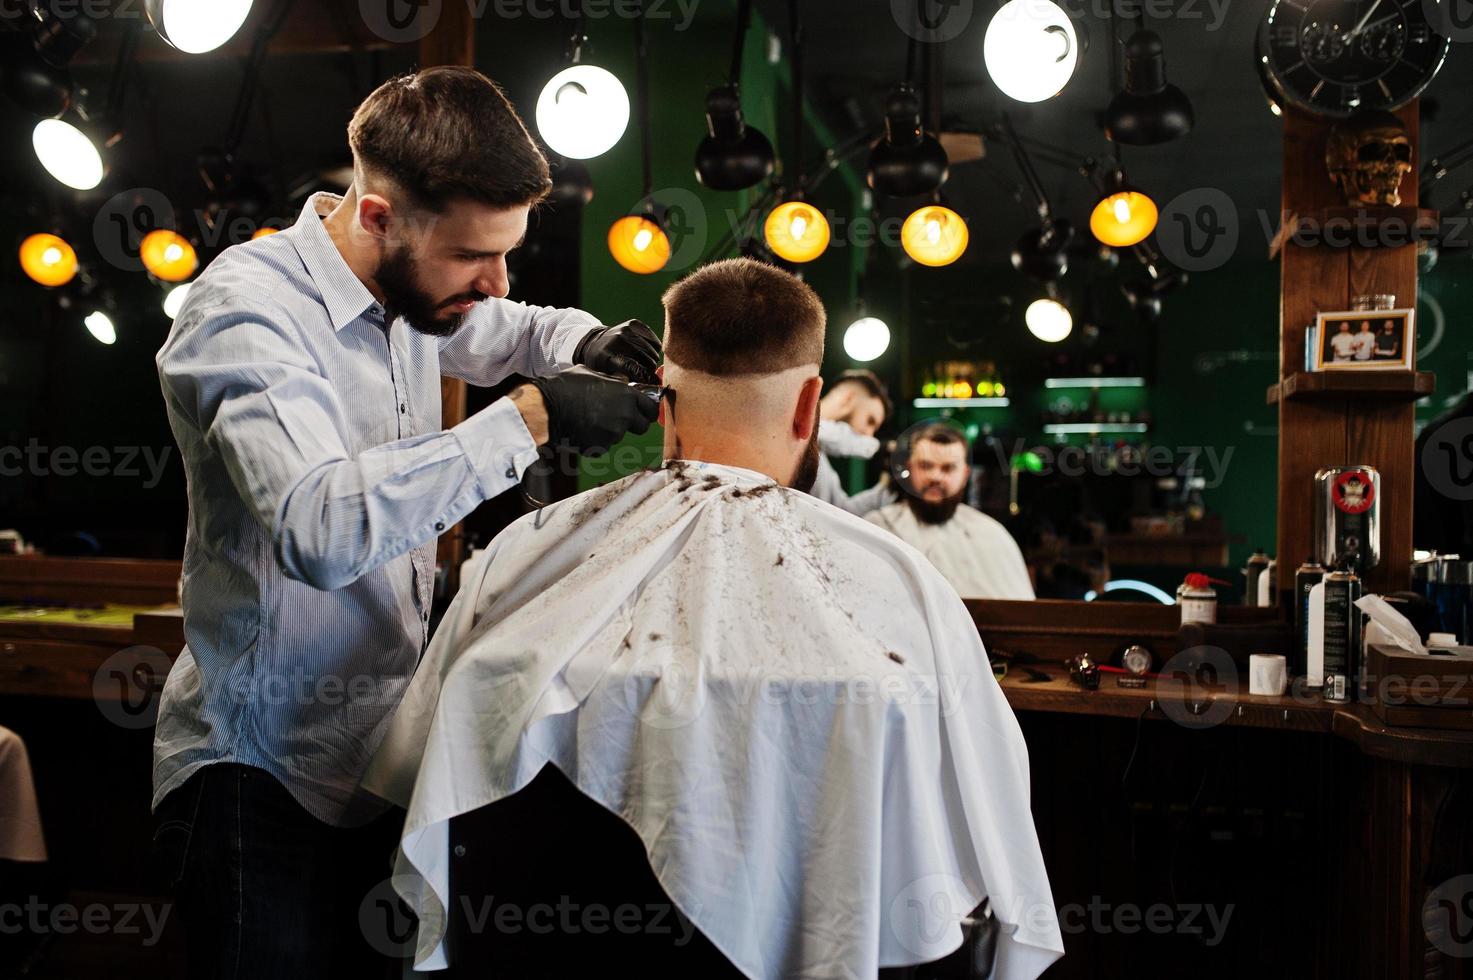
pixel 302 383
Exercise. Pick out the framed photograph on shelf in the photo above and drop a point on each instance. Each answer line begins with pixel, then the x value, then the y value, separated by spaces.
pixel 1365 340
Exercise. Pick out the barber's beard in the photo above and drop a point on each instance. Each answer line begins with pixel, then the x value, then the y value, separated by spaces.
pixel 807 472
pixel 398 277
pixel 936 511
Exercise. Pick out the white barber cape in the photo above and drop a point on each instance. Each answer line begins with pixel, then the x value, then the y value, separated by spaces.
pixel 791 708
pixel 976 553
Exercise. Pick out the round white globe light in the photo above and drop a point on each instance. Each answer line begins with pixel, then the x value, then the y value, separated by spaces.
pixel 67 154
pixel 174 300
pixel 1030 49
pixel 582 111
pixel 100 325
pixel 1048 320
pixel 866 339
pixel 196 26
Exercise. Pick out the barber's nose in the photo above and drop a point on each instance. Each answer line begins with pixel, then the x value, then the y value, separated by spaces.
pixel 494 281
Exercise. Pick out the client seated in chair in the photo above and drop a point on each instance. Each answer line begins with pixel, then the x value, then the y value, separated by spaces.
pixel 788 709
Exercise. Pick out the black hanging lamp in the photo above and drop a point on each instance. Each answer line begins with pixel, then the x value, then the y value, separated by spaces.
pixel 733 156
pixel 1149 109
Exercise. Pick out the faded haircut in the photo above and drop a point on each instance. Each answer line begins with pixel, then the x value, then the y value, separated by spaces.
pixel 446 134
pixel 741 316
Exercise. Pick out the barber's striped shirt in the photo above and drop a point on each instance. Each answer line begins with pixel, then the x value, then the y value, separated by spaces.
pixel 319 479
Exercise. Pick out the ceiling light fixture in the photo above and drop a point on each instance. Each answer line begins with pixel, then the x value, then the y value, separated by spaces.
pixel 907 161
pixel 1048 319
pixel 638 241
pixel 733 156
pixel 796 230
pixel 197 26
pixel 100 326
pixel 934 235
pixel 1031 49
pixel 583 110
pixel 48 259
pixel 1149 109
pixel 1123 215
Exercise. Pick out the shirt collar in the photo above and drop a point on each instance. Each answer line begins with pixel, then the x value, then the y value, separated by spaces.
pixel 343 293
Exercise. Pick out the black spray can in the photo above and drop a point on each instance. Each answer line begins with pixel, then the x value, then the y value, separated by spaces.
pixel 1342 635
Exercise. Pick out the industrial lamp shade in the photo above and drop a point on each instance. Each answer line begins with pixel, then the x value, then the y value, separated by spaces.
pixel 48 259
pixel 69 153
pixel 1123 218
pixel 196 26
pixel 167 255
pixel 733 155
pixel 1042 253
pixel 934 235
pixel 582 111
pixel 30 81
pixel 100 326
pixel 1048 320
pixel 639 244
pixel 1149 110
pixel 908 161
pixel 1031 49
pixel 796 231
pixel 866 339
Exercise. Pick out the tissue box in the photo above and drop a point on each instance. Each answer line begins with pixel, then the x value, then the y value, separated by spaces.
pixel 1408 690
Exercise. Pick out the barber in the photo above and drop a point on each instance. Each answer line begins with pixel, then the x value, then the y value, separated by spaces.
pixel 302 383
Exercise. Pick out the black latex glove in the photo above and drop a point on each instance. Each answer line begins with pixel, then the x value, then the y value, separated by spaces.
pixel 629 350
pixel 588 412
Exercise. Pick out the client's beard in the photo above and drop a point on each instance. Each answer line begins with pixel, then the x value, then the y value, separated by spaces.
pixel 807 472
pixel 935 511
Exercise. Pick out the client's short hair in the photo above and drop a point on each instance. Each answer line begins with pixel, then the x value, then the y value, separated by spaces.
pixel 940 433
pixel 741 316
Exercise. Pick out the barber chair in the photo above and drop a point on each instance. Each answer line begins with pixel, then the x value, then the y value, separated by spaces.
pixel 551 849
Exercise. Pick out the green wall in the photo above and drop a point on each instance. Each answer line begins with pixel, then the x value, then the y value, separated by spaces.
pixel 683 68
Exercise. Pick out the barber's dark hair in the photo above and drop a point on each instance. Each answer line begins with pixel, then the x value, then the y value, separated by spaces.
pixel 939 432
pixel 741 316
pixel 449 133
pixel 871 383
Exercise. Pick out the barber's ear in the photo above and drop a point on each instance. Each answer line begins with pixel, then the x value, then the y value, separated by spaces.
pixel 375 215
pixel 805 416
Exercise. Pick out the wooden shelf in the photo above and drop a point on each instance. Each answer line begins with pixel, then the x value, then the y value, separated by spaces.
pixel 1388 385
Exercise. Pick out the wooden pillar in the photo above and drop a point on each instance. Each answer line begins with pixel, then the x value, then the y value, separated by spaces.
pixel 1319 427
pixel 452 41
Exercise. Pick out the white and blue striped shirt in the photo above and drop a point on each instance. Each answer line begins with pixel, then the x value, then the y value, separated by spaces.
pixel 319 479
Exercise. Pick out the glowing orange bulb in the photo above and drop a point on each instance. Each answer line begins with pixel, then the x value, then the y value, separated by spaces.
pixel 934 235
pixel 48 259
pixel 639 244
pixel 796 231
pixel 167 255
pixel 1123 218
pixel 263 232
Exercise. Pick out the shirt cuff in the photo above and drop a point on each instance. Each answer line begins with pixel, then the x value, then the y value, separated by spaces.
pixel 497 446
pixel 568 343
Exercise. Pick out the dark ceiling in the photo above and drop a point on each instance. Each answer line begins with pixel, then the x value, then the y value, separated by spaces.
pixel 855 52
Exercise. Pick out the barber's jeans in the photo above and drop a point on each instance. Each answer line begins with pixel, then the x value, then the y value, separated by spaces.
pixel 266 890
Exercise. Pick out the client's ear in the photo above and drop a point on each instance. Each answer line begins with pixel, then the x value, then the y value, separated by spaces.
pixel 805 415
